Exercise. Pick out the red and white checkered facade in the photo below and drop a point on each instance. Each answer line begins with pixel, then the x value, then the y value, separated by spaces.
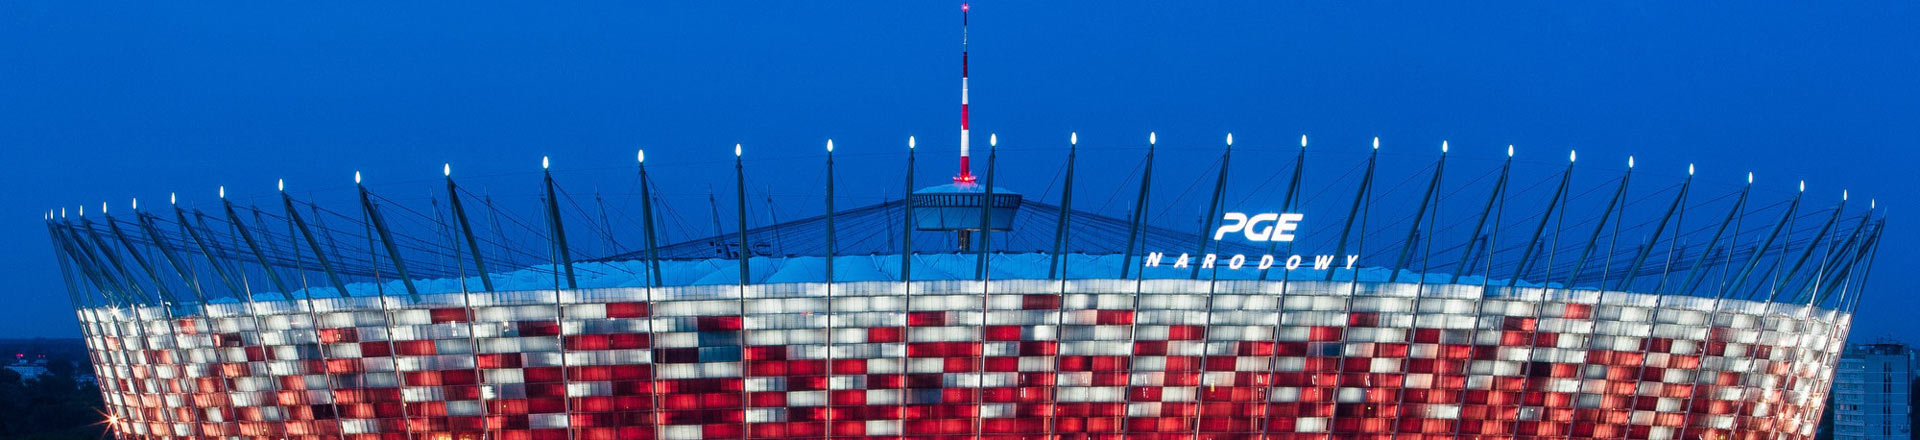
pixel 1108 359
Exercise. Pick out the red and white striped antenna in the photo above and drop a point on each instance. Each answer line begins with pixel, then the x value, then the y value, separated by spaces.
pixel 966 169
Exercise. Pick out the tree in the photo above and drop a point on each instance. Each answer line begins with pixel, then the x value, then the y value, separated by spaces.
pixel 52 406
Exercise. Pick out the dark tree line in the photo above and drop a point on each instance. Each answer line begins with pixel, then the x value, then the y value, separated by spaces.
pixel 51 406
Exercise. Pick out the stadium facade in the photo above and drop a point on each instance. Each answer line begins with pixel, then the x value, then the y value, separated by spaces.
pixel 1337 307
pixel 271 325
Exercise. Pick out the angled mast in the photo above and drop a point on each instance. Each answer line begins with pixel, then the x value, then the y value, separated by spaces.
pixel 560 248
pixel 1646 248
pixel 385 235
pixel 1413 231
pixel 466 229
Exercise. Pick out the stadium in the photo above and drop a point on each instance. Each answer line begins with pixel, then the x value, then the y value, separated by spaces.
pixel 1349 294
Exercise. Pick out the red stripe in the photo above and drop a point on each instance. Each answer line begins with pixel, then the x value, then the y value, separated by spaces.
pixel 963 116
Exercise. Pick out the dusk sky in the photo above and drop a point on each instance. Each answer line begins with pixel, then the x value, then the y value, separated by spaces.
pixel 110 101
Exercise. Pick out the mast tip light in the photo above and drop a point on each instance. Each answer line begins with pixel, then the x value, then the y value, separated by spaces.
pixel 1629 161
pixel 173 198
pixel 223 191
pixel 545 162
pixel 910 142
pixel 829 145
pixel 1153 138
pixel 993 139
pixel 356 177
pixel 1303 141
pixel 1443 147
pixel 1229 139
pixel 1376 142
pixel 1573 155
pixel 1749 177
pixel 281 185
pixel 1074 138
pixel 1509 150
pixel 1689 169
pixel 640 156
pixel 736 150
pixel 446 169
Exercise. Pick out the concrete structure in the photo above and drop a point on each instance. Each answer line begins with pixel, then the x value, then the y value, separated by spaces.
pixel 1872 397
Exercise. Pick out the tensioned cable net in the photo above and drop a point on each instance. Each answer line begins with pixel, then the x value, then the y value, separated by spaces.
pixel 1602 229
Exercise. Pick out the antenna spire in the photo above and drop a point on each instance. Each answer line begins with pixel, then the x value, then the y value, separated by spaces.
pixel 966 169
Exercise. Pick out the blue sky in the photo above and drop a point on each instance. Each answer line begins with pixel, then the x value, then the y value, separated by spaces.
pixel 105 101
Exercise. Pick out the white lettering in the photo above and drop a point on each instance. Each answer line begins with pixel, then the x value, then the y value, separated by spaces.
pixel 1283 229
pixel 1256 227
pixel 1257 233
pixel 1239 261
pixel 1235 221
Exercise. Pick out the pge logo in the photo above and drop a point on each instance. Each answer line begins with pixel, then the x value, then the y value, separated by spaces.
pixel 1268 226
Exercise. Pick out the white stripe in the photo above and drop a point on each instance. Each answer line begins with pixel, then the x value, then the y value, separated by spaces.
pixel 963 142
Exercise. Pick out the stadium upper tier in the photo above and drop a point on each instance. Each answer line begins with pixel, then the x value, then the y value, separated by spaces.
pixel 950 360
